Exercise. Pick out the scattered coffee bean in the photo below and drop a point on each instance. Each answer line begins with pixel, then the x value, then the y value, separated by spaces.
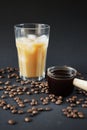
pixel 14 111
pixel 48 109
pixel 7 82
pixel 11 122
pixel 34 112
pixel 58 102
pixel 1 82
pixel 1 88
pixel 5 107
pixel 27 119
pixel 29 110
pixel 20 112
pixel 84 105
pixel 40 109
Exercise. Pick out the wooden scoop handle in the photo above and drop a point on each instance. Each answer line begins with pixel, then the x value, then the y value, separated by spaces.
pixel 82 84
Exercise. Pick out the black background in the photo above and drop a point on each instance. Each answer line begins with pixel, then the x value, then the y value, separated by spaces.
pixel 68 36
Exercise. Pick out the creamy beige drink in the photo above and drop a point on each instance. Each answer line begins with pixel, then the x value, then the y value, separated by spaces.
pixel 32 55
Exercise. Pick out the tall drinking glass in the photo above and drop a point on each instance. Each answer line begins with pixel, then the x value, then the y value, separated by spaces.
pixel 32 43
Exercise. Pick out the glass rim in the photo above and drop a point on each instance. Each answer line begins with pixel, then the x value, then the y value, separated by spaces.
pixel 67 68
pixel 22 26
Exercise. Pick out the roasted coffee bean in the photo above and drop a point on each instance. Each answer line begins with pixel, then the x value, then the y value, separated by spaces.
pixel 22 83
pixel 69 108
pixel 75 110
pixel 8 76
pixel 5 92
pixel 78 102
pixel 40 109
pixel 36 92
pixel 64 110
pixel 29 110
pixel 47 98
pixel 28 93
pixel 5 107
pixel 1 76
pixel 53 100
pixel 26 100
pixel 74 115
pixel 58 102
pixel 12 107
pixel 65 113
pixel 34 112
pixel 1 82
pixel 44 103
pixel 20 93
pixel 8 105
pixel 11 122
pixel 11 95
pixel 84 105
pixel 3 96
pixel 20 112
pixel 80 115
pixel 85 102
pixel 27 119
pixel 1 88
pixel 21 105
pixel 81 99
pixel 60 98
pixel 7 82
pixel 72 104
pixel 14 111
pixel 32 103
pixel 42 98
pixel 48 109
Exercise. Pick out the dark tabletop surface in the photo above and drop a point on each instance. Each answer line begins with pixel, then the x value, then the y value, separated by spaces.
pixel 67 46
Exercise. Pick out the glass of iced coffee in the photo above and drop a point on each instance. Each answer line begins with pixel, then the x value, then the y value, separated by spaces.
pixel 32 42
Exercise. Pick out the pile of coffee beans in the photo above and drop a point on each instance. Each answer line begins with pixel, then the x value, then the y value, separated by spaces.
pixel 20 94
pixel 72 113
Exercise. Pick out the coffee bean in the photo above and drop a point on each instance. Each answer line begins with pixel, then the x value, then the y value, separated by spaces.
pixel 72 104
pixel 69 108
pixel 20 112
pixel 1 82
pixel 40 109
pixel 1 76
pixel 11 122
pixel 8 105
pixel 80 115
pixel 29 110
pixel 84 105
pixel 14 111
pixel 78 102
pixel 27 119
pixel 53 100
pixel 85 102
pixel 26 100
pixel 48 109
pixel 28 93
pixel 34 112
pixel 7 82
pixel 1 88
pixel 21 105
pixel 3 96
pixel 5 107
pixel 42 98
pixel 58 102
pixel 74 115
pixel 60 98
